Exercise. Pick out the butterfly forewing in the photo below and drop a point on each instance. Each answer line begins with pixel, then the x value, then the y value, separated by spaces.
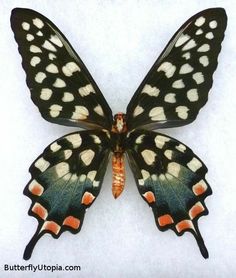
pixel 66 180
pixel 177 85
pixel 171 179
pixel 60 85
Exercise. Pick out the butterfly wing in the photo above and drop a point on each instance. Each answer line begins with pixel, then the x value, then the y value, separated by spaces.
pixel 66 179
pixel 177 85
pixel 171 179
pixel 61 86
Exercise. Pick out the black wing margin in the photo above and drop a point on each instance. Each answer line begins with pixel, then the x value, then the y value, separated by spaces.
pixel 177 86
pixel 61 86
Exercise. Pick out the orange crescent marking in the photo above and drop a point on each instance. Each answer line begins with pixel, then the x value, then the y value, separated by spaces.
pixel 87 198
pixel 149 196
pixel 72 222
pixel 165 220
pixel 184 225
pixel 51 226
pixel 195 210
pixel 36 189
pixel 199 189
pixel 40 211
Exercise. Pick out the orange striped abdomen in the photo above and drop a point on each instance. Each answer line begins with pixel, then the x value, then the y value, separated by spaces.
pixel 118 174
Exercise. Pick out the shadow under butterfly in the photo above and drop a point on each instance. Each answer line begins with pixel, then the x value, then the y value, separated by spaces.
pixel 67 176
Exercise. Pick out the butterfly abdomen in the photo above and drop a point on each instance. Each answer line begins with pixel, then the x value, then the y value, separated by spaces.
pixel 118 174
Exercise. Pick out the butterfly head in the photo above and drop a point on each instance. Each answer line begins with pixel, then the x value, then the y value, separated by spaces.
pixel 119 123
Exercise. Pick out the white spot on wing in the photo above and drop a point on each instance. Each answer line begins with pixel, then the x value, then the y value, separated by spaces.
pixel 38 23
pixel 186 68
pixel 74 139
pixel 151 91
pixel 157 114
pixel 62 169
pixel 138 110
pixel 35 49
pixel 81 113
pixel 181 148
pixel 139 139
pixel 29 37
pixel 189 45
pixel 67 97
pixel 168 68
pixel 145 174
pixel 91 175
pixel 52 68
pixel 182 112
pixel 55 110
pixel 42 164
pixel 194 164
pixel 192 95
pixel 87 156
pixel 160 141
pixel 39 77
pixel 96 139
pixel 34 61
pixel 55 147
pixel 200 21
pixel 178 84
pixel 47 45
pixel 213 24
pixel 199 31
pixel 54 39
pixel 204 48
pixel 186 55
pixel 25 26
pixel 204 60
pixel 52 56
pixel 59 83
pixel 181 40
pixel 168 154
pixel 98 110
pixel 173 169
pixel 46 94
pixel 209 35
pixel 70 68
pixel 198 77
pixel 86 90
pixel 39 33
pixel 170 98
pixel 148 156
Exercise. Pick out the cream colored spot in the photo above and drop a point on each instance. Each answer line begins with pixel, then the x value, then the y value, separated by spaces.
pixel 96 183
pixel 200 21
pixel 173 169
pixel 67 154
pixel 139 139
pixel 98 110
pixel 86 90
pixel 52 68
pixel 62 169
pixel 189 45
pixel 96 139
pixel 181 40
pixel 138 110
pixel 47 45
pixel 42 164
pixel 35 49
pixel 181 148
pixel 34 61
pixel 29 37
pixel 178 84
pixel 25 26
pixel 91 175
pixel 145 174
pixel 186 68
pixel 59 83
pixel 67 97
pixel 213 24
pixel 141 182
pixel 74 139
pixel 87 156
pixel 198 77
pixel 160 141
pixel 157 114
pixel 204 48
pixel 199 32
pixel 39 33
pixel 55 147
pixel 81 113
pixel 45 94
pixel 186 55
pixel 70 68
pixel 209 35
pixel 151 91
pixel 55 110
pixel 192 95
pixel 39 77
pixel 168 68
pixel 170 98
pixel 194 164
pixel 82 178
pixel 168 154
pixel 204 60
pixel 54 39
pixel 52 56
pixel 182 112
pixel 148 156
pixel 162 177
pixel 38 23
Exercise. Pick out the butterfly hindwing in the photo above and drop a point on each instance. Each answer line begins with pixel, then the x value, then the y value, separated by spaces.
pixel 171 179
pixel 60 85
pixel 177 85
pixel 66 179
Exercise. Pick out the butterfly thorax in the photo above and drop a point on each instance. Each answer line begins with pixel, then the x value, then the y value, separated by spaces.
pixel 118 135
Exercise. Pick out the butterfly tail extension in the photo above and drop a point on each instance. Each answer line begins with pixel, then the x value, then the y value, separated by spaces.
pixel 118 174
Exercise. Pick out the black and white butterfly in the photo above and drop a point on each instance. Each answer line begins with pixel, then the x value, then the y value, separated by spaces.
pixel 67 177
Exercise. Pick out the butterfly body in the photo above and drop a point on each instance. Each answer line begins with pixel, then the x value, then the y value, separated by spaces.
pixel 67 176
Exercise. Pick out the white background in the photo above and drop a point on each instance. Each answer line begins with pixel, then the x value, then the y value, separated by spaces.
pixel 118 41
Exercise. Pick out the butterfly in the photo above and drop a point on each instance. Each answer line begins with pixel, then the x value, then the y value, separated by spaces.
pixel 67 177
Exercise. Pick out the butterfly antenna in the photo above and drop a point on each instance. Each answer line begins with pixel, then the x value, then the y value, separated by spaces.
pixel 30 246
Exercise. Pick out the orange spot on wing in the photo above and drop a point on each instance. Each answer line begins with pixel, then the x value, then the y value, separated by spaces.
pixel 87 198
pixel 51 226
pixel 184 225
pixel 196 210
pixel 149 196
pixel 165 220
pixel 36 188
pixel 199 188
pixel 40 211
pixel 72 222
